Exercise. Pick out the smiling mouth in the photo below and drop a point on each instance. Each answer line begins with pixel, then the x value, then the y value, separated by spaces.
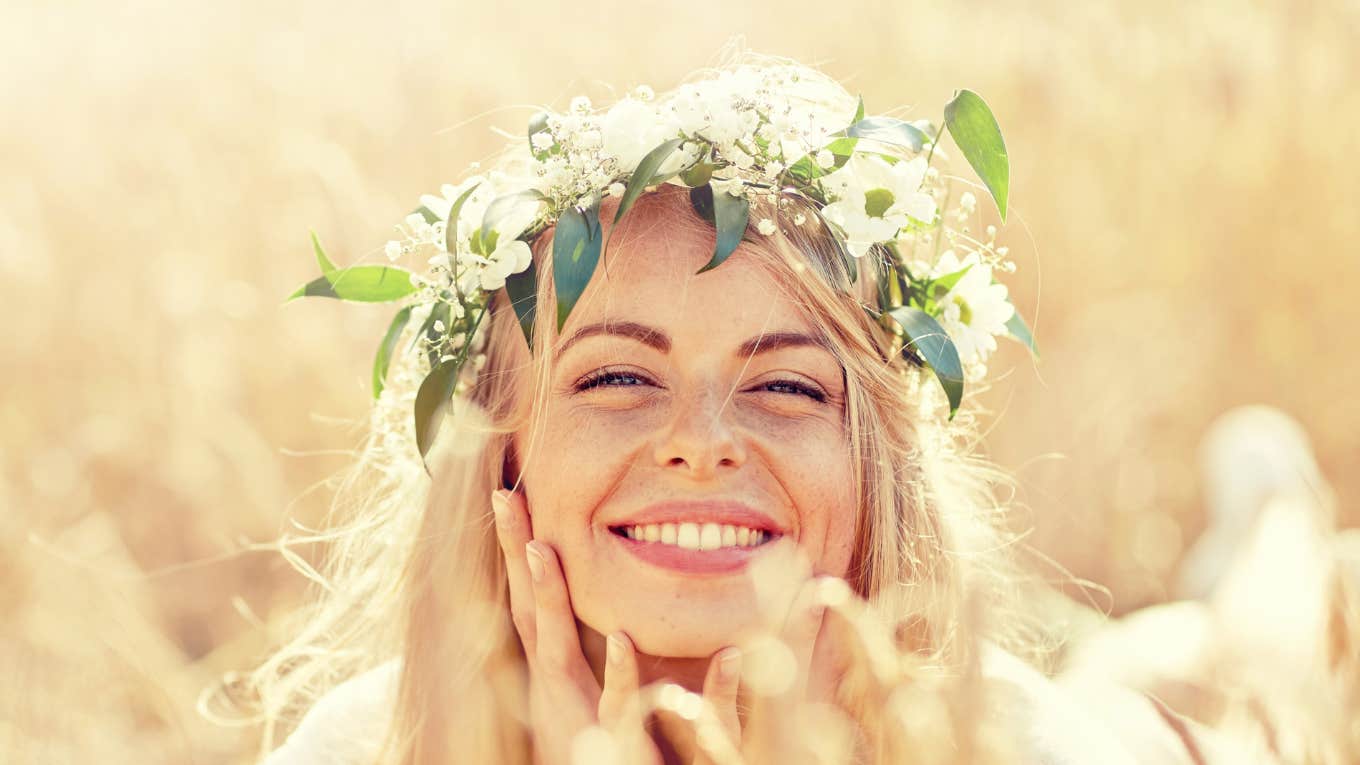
pixel 700 537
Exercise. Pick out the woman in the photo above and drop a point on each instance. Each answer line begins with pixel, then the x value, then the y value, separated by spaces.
pixel 708 513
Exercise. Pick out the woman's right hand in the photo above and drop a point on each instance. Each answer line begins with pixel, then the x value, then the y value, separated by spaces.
pixel 565 698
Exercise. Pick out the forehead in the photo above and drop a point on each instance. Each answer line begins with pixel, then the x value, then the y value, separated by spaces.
pixel 651 278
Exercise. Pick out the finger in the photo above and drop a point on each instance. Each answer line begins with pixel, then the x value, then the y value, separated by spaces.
pixel 800 632
pixel 723 735
pixel 621 703
pixel 618 700
pixel 513 531
pixel 558 644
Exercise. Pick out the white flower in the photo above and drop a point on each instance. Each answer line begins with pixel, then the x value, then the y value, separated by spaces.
pixel 731 125
pixel 580 105
pixel 967 201
pixel 825 158
pixel 542 140
pixel 975 310
pixel 765 226
pixel 687 110
pixel 875 199
pixel 616 189
pixel 392 250
pixel 629 130
pixel 510 257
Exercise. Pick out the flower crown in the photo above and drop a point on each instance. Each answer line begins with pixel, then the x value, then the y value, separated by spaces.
pixel 774 132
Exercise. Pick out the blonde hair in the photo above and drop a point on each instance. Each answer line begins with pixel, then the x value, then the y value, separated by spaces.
pixel 414 569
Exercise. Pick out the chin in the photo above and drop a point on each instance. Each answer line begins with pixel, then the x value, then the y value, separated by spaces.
pixel 679 625
pixel 693 639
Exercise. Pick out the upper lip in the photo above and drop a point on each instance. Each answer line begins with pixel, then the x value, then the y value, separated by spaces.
pixel 723 512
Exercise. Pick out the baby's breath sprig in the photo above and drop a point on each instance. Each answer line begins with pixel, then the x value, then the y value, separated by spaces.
pixel 747 134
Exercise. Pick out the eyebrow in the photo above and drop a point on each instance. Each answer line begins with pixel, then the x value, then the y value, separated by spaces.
pixel 659 340
pixel 640 332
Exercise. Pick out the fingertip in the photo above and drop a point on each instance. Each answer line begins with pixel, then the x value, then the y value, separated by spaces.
pixel 729 664
pixel 618 650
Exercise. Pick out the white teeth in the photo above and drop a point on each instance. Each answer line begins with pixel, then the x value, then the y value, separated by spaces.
pixel 710 536
pixel 696 536
pixel 687 538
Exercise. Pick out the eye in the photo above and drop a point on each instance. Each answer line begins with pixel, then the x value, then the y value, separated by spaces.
pixel 610 379
pixel 796 388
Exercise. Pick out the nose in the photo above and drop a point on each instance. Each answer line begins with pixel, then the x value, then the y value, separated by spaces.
pixel 698 437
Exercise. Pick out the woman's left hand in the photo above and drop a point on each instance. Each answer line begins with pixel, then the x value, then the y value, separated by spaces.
pixel 565 698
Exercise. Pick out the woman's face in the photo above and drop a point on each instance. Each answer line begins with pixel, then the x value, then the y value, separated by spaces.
pixel 694 425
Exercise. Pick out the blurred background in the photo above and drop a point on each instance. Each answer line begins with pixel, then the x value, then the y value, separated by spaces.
pixel 1183 214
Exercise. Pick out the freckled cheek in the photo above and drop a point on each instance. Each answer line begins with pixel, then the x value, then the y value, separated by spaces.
pixel 579 456
pixel 824 492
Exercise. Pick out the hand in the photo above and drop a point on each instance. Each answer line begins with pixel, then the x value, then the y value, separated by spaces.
pixel 566 701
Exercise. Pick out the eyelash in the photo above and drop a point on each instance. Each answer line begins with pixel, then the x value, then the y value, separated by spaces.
pixel 598 379
pixel 607 377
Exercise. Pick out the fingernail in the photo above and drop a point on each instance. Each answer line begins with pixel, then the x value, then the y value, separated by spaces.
pixel 615 650
pixel 498 505
pixel 536 561
pixel 730 664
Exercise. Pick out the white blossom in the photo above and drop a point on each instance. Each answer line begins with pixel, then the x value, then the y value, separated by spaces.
pixel 875 199
pixel 765 226
pixel 629 130
pixel 975 310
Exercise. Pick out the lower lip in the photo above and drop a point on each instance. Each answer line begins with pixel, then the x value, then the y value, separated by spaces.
pixel 723 560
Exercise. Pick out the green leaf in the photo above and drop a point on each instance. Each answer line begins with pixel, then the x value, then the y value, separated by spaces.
pixel 935 347
pixel 888 130
pixel 948 281
pixel 1018 330
pixel 432 402
pixel 729 215
pixel 361 284
pixel 978 136
pixel 451 222
pixel 645 174
pixel 859 111
pixel 522 289
pixel 384 357
pixel 698 175
pixel 326 265
pixel 427 214
pixel 576 250
pixel 806 168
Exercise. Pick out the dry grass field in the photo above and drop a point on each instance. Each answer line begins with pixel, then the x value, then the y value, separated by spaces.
pixel 1184 214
